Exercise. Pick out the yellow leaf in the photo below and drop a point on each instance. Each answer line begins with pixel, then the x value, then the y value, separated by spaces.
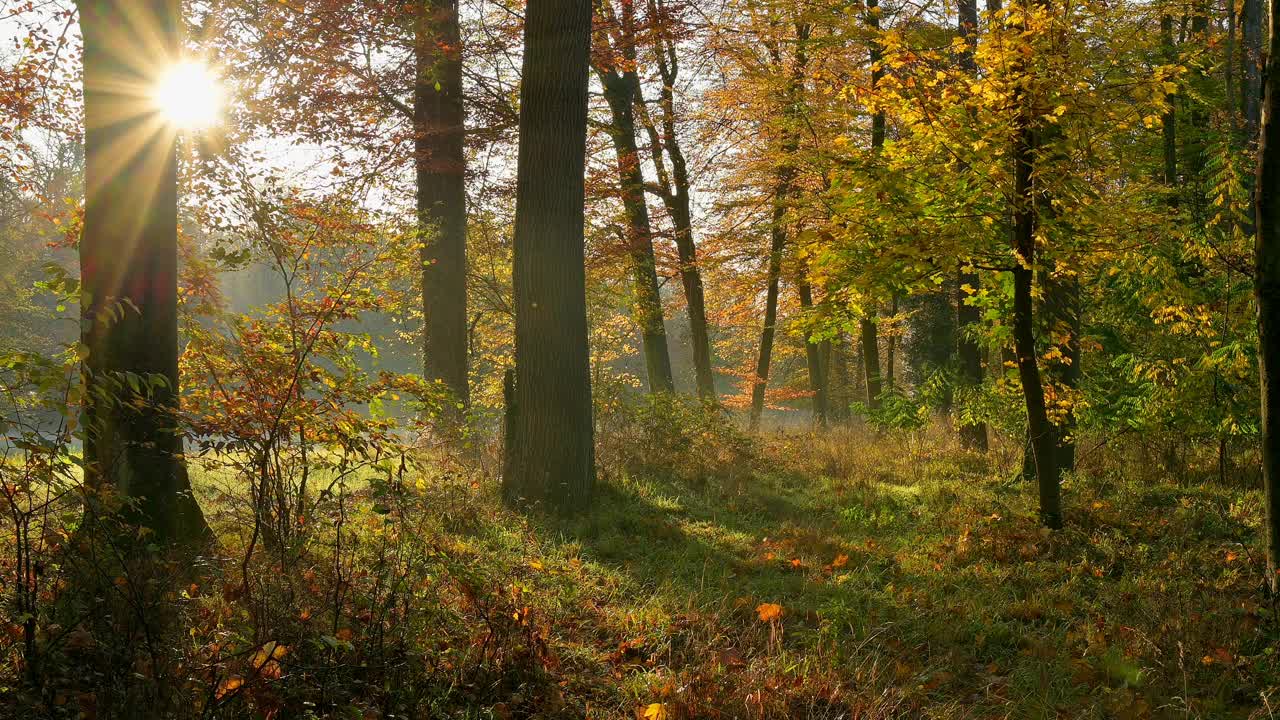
pixel 656 711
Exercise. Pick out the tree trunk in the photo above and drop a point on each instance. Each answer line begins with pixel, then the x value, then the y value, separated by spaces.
pixel 968 351
pixel 129 269
pixel 1251 57
pixel 676 197
pixel 440 164
pixel 871 361
pixel 1169 121
pixel 870 341
pixel 813 352
pixel 891 345
pixel 778 240
pixel 1267 284
pixel 1026 202
pixel 620 90
pixel 549 452
pixel 839 381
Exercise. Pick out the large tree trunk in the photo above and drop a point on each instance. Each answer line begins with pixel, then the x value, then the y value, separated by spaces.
pixel 1026 201
pixel 778 240
pixel 549 451
pixel 129 269
pixel 814 357
pixel 440 163
pixel 1267 283
pixel 973 436
pixel 621 90
pixel 676 197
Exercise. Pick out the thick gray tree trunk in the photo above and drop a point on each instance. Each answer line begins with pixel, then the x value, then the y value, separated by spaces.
pixel 440 164
pixel 129 269
pixel 549 448
pixel 1267 284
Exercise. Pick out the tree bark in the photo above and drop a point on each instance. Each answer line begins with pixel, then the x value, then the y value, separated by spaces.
pixel 1169 121
pixel 968 352
pixel 549 452
pixel 1267 287
pixel 129 269
pixel 621 91
pixel 1251 57
pixel 839 381
pixel 778 240
pixel 440 166
pixel 813 352
pixel 1026 202
pixel 676 198
pixel 870 340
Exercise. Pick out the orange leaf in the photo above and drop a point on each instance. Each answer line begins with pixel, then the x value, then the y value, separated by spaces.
pixel 769 612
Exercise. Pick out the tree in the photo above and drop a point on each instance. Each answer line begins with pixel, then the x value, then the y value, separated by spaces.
pixel 1267 287
pixel 616 67
pixel 673 187
pixel 129 263
pixel 440 166
pixel 1026 202
pixel 973 435
pixel 549 448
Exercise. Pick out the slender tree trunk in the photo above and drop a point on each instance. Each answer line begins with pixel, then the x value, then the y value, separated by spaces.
pixel 676 197
pixel 1026 202
pixel 440 164
pixel 891 346
pixel 549 452
pixel 871 362
pixel 620 92
pixel 1267 284
pixel 1251 22
pixel 839 381
pixel 870 340
pixel 129 269
pixel 973 436
pixel 813 356
pixel 778 240
pixel 1169 121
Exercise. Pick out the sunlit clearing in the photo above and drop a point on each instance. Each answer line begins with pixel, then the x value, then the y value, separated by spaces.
pixel 189 96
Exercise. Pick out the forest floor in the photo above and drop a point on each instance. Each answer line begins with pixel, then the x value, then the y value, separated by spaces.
pixel 868 577
pixel 846 574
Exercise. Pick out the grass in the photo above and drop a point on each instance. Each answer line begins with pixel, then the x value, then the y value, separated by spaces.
pixel 913 581
pixel 840 575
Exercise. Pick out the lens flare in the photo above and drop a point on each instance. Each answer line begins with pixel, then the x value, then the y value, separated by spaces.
pixel 189 96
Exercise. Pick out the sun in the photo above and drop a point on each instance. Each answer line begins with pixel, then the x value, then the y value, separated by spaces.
pixel 189 96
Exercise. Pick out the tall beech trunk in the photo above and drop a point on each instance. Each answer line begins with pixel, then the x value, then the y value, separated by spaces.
pixel 777 241
pixel 621 91
pixel 973 436
pixel 549 449
pixel 440 165
pixel 1267 284
pixel 813 352
pixel 1026 202
pixel 674 190
pixel 129 269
